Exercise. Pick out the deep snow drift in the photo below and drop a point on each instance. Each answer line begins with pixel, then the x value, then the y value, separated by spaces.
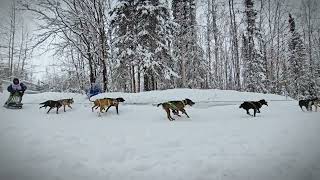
pixel 219 141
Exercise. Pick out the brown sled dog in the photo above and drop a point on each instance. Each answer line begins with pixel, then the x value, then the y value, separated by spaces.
pixel 176 106
pixel 66 102
pixel 106 102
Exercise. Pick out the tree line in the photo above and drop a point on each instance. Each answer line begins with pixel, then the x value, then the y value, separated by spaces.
pixel 268 46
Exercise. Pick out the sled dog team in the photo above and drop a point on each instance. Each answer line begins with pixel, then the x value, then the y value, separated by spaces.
pixel 17 89
pixel 175 107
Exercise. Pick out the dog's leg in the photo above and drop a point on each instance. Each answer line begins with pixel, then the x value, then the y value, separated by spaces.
pixel 301 108
pixel 49 110
pixel 248 112
pixel 168 115
pixel 184 112
pixel 69 106
pixel 117 108
pixel 307 108
pixel 57 110
pixel 258 111
pixel 64 108
pixel 254 112
pixel 176 112
pixel 109 108
pixel 101 109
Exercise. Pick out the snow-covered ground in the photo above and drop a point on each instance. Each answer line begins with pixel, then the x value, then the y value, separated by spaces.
pixel 219 141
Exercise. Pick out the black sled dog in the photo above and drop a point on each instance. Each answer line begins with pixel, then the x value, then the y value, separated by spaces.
pixel 52 104
pixel 255 105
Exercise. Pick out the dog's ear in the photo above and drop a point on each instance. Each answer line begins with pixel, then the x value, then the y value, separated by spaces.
pixel 264 102
pixel 120 99
pixel 189 101
pixel 241 105
pixel 192 101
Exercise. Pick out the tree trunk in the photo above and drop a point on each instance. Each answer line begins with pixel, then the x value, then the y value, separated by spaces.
pixel 12 33
pixel 209 78
pixel 235 46
pixel 215 37
pixel 91 65
pixel 133 80
pixel 146 81
pixel 139 79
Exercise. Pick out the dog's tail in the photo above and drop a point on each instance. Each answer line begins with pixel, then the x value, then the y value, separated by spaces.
pixel 90 99
pixel 159 104
pixel 42 103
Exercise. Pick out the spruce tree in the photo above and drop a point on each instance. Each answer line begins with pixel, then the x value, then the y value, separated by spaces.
pixel 143 34
pixel 123 25
pixel 300 83
pixel 154 35
pixel 254 72
pixel 189 55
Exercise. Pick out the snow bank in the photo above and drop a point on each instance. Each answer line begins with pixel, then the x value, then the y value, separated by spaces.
pixel 196 95
pixel 154 97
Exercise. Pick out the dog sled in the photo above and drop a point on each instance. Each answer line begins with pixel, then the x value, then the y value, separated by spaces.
pixel 14 101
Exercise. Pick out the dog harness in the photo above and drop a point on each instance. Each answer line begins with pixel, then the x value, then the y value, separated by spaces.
pixel 184 104
pixel 254 104
pixel 172 106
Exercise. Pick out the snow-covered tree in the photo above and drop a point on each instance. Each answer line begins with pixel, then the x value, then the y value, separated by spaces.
pixel 300 82
pixel 254 65
pixel 190 63
pixel 77 25
pixel 124 43
pixel 143 34
pixel 154 36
